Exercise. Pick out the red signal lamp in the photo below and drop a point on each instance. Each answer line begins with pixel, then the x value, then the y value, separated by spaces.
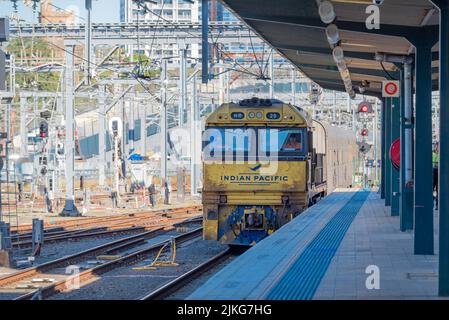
pixel 365 107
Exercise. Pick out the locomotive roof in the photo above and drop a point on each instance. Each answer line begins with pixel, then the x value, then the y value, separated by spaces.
pixel 255 111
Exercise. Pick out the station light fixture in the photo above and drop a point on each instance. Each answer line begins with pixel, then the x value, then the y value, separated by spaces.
pixel 339 59
pixel 326 12
pixel 345 73
pixel 333 36
pixel 338 54
pixel 341 65
pixel 328 16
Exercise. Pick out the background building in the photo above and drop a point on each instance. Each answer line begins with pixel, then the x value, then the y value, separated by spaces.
pixel 164 11
pixel 52 14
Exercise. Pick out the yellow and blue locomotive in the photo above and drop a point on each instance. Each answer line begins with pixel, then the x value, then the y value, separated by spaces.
pixel 265 161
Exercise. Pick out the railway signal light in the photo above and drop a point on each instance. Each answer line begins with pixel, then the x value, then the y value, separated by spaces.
pixel 43 129
pixel 43 170
pixel 364 132
pixel 60 149
pixel 365 107
pixel 364 147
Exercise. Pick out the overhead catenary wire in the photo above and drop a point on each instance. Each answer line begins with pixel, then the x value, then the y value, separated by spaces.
pixel 234 61
pixel 386 71
pixel 255 56
pixel 194 36
pixel 225 54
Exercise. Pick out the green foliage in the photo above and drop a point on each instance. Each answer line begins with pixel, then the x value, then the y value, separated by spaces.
pixel 44 81
pixel 26 48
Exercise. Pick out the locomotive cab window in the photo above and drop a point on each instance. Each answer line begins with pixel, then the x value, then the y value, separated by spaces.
pixel 293 142
pixel 239 144
pixel 287 143
pixel 236 143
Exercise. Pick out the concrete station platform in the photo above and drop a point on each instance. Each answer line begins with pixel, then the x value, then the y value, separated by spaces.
pixel 324 254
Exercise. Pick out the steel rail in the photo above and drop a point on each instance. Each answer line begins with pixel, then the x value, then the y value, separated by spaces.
pixel 98 220
pixel 25 273
pixel 81 234
pixel 88 274
pixel 187 277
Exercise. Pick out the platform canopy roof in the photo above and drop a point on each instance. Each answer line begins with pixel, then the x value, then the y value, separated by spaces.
pixel 295 30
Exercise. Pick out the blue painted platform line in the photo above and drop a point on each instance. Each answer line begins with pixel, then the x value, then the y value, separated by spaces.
pixel 302 279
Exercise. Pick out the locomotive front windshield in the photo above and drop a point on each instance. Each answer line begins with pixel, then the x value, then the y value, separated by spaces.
pixel 282 141
pixel 254 143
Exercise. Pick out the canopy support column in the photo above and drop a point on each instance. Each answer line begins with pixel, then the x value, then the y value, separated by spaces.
pixel 406 170
pixel 423 206
pixel 443 171
pixel 382 162
pixel 388 166
pixel 395 133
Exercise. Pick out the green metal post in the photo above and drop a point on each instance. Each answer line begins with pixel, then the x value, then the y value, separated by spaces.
pixel 423 206
pixel 388 166
pixel 443 171
pixel 395 133
pixel 382 183
pixel 406 187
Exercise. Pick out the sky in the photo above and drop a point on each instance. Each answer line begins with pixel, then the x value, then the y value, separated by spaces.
pixel 102 10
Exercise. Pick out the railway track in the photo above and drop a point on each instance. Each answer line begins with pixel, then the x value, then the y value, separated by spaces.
pixel 105 226
pixel 79 234
pixel 89 274
pixel 181 281
pixel 137 226
pixel 115 220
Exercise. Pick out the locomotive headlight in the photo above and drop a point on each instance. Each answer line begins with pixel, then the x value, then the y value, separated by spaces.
pixel 251 115
pixel 223 199
pixel 259 115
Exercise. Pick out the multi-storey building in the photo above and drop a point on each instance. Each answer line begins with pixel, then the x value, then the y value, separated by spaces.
pixel 51 14
pixel 162 11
